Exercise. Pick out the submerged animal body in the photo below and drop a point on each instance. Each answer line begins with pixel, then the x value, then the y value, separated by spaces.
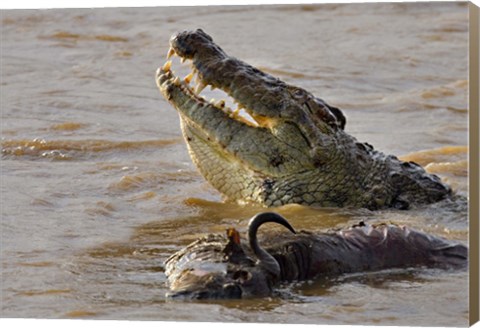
pixel 293 150
pixel 219 266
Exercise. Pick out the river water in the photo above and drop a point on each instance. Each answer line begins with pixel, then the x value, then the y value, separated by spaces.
pixel 97 188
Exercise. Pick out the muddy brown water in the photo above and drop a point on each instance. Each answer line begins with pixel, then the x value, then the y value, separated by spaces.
pixel 97 188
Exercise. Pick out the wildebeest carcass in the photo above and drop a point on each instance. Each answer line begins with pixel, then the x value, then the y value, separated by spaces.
pixel 221 266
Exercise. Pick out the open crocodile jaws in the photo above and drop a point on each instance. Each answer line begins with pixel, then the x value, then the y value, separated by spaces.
pixel 292 150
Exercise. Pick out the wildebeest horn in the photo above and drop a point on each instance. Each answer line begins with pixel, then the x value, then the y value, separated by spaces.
pixel 264 258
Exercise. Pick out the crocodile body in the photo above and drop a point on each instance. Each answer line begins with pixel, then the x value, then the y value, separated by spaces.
pixel 294 147
pixel 219 266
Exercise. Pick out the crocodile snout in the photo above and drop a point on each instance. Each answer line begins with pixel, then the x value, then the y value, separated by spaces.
pixel 186 44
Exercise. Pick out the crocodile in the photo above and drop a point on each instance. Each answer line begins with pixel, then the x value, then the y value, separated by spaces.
pixel 220 266
pixel 289 146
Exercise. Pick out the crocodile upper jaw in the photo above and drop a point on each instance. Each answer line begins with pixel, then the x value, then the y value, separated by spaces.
pixel 281 138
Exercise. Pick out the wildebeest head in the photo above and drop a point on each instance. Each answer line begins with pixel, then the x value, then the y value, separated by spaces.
pixel 219 266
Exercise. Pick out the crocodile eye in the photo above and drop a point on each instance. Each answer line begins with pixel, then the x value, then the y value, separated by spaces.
pixel 298 93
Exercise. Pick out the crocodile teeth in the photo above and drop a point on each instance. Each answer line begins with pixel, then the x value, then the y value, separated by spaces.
pixel 188 78
pixel 176 81
pixel 220 103
pixel 199 88
pixel 235 113
pixel 182 60
pixel 170 53
pixel 166 66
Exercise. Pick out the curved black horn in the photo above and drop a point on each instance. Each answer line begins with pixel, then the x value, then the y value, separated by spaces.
pixel 264 258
